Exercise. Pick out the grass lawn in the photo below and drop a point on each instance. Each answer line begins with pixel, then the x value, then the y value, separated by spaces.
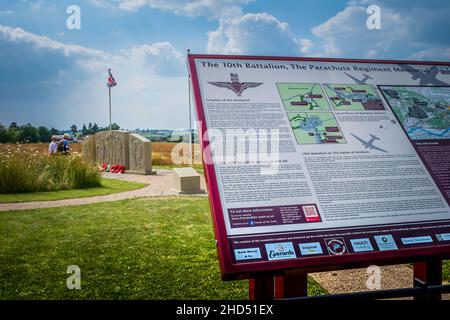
pixel 109 186
pixel 160 248
pixel 446 271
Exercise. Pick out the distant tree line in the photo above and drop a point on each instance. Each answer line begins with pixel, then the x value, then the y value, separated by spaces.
pixel 29 133
pixel 25 133
pixel 93 128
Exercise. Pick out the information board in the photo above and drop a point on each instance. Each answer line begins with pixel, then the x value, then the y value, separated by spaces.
pixel 324 163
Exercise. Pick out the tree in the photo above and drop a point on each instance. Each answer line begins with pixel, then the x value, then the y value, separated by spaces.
pixel 14 135
pixel 74 129
pixel 114 126
pixel 4 134
pixel 95 128
pixel 13 125
pixel 84 131
pixel 54 131
pixel 44 134
pixel 90 128
pixel 28 133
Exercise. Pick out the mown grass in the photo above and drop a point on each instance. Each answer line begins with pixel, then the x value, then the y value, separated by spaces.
pixel 446 270
pixel 133 249
pixel 108 186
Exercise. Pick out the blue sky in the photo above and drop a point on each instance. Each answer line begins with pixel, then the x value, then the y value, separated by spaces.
pixel 53 76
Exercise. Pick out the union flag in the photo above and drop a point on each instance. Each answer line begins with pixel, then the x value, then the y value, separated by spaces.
pixel 111 81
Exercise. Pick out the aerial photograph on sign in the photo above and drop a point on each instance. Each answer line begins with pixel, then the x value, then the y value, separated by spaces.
pixel 353 97
pixel 302 96
pixel 424 112
pixel 315 127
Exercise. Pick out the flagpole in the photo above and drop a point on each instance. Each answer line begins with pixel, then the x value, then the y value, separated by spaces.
pixel 190 117
pixel 109 89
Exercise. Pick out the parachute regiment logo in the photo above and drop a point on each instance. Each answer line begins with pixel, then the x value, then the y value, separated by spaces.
pixel 235 85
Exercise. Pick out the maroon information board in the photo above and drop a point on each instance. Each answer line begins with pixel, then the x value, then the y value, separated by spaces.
pixel 319 164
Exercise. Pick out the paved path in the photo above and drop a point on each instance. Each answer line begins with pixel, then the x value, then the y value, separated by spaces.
pixel 158 185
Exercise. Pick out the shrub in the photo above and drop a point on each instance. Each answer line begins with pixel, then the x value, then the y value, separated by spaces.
pixel 22 171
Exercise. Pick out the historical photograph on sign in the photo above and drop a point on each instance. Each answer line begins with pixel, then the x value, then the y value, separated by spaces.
pixel 424 112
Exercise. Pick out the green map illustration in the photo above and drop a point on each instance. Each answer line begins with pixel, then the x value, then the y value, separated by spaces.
pixel 302 96
pixel 424 112
pixel 353 97
pixel 315 127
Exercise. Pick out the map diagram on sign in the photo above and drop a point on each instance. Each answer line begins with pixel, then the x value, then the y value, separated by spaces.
pixel 353 97
pixel 424 112
pixel 315 127
pixel 302 96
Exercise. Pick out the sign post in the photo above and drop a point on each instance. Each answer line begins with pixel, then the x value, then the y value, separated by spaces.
pixel 109 92
pixel 324 164
pixel 191 152
pixel 429 273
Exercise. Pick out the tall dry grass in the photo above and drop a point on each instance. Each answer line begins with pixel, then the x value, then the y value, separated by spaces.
pixel 162 153
pixel 30 171
pixel 33 147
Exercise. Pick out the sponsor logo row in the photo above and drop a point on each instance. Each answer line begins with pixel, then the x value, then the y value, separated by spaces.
pixel 334 246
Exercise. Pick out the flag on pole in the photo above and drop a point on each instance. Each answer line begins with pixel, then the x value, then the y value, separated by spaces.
pixel 111 81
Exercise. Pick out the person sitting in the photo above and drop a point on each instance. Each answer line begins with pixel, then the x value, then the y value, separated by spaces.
pixel 63 144
pixel 53 146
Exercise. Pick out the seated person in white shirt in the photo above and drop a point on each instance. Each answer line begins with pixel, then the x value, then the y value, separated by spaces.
pixel 53 146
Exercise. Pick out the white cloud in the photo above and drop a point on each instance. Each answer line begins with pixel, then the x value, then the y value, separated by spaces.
pixel 36 5
pixel 435 53
pixel 161 57
pixel 406 27
pixel 255 33
pixel 151 91
pixel 6 12
pixel 305 45
pixel 41 5
pixel 19 35
pixel 191 8
pixel 103 3
pixel 346 34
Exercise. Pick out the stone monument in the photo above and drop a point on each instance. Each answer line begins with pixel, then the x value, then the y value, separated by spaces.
pixel 88 147
pixel 112 147
pixel 139 150
pixel 120 147
pixel 186 181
